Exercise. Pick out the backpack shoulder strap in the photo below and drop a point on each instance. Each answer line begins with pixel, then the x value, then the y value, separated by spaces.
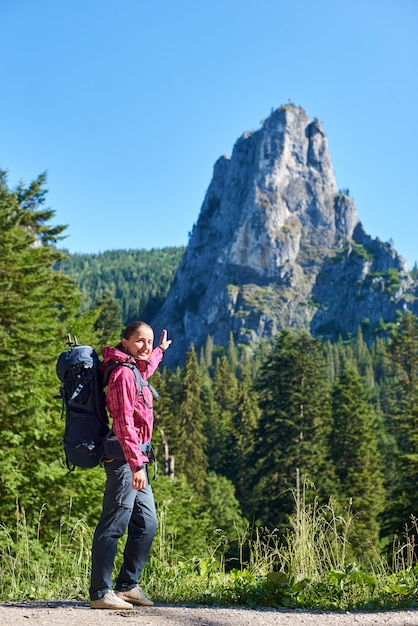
pixel 140 382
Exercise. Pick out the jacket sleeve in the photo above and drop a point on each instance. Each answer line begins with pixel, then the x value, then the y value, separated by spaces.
pixel 155 359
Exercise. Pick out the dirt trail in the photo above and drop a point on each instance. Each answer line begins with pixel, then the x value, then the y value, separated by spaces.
pixel 79 614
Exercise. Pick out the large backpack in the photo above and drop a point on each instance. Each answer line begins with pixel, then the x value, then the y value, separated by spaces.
pixel 83 405
pixel 83 378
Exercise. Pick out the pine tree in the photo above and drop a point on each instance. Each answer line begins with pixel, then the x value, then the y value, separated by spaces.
pixel 108 324
pixel 363 359
pixel 225 390
pixel 358 465
pixel 232 355
pixel 244 426
pixel 35 301
pixel 191 444
pixel 293 431
pixel 209 351
pixel 403 421
pixel 211 412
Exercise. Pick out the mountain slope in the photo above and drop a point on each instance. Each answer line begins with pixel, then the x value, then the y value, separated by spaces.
pixel 277 245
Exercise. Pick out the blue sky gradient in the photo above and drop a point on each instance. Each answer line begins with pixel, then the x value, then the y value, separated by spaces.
pixel 127 105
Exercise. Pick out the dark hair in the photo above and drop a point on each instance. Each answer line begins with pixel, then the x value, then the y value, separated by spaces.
pixel 132 328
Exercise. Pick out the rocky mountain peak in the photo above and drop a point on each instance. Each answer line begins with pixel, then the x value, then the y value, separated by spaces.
pixel 276 190
pixel 270 222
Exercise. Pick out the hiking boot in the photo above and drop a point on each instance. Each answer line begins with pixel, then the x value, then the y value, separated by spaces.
pixel 110 601
pixel 136 596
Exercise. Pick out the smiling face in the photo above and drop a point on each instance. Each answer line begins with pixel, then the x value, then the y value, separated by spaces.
pixel 140 342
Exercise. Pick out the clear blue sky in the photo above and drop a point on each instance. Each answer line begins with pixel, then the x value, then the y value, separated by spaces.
pixel 127 105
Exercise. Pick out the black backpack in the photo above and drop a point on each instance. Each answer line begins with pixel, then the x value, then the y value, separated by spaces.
pixel 83 378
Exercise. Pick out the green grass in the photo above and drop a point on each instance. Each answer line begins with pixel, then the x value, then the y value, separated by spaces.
pixel 31 570
pixel 310 568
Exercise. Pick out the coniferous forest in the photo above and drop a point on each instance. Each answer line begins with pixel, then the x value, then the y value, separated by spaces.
pixel 236 437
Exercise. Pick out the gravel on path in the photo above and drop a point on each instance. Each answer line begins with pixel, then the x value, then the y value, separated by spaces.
pixel 70 613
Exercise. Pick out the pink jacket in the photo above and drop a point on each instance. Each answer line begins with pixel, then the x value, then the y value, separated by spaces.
pixel 132 418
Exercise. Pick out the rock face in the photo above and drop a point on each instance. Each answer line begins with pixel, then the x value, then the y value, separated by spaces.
pixel 276 245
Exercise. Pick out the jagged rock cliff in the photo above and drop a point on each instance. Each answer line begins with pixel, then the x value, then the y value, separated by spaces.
pixel 276 245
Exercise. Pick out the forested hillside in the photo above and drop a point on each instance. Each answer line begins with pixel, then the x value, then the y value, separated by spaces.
pixel 137 279
pixel 337 420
